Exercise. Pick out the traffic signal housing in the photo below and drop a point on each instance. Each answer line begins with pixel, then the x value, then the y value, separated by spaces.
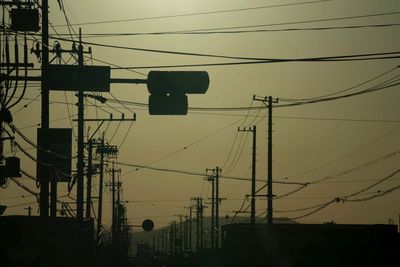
pixel 168 90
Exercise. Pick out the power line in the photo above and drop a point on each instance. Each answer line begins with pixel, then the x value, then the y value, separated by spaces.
pixel 347 154
pixel 196 14
pixel 295 22
pixel 187 146
pixel 346 89
pixel 253 60
pixel 194 32
pixel 193 173
pixel 346 198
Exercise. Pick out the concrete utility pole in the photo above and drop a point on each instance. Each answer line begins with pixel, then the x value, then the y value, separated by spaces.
pixel 253 173
pixel 101 182
pixel 158 242
pixel 190 226
pixel 180 233
pixel 114 204
pixel 197 223
pixel 268 101
pixel 216 172
pixel 186 234
pixel 80 163
pixel 44 179
pixel 212 180
pixel 201 209
pixel 89 179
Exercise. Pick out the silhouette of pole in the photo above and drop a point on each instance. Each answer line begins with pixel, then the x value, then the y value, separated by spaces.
pixel 253 130
pixel 44 179
pixel 171 241
pixel 186 235
pixel 201 225
pixel 253 178
pixel 175 243
pixel 158 242
pixel 212 212
pixel 101 181
pixel 113 223
pixel 268 101
pixel 211 179
pixel 190 227
pixel 166 242
pixel 270 196
pixel 180 233
pixel 80 164
pixel 89 179
pixel 217 200
pixel 197 225
pixel 118 212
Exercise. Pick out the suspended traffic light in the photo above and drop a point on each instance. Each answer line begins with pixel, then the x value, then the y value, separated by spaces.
pixel 168 90
pixel 168 104
pixel 177 82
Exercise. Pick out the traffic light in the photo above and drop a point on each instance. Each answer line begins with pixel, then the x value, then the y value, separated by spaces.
pixel 147 225
pixel 168 90
pixel 168 104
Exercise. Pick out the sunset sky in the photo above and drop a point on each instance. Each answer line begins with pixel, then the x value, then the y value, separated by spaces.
pixel 354 141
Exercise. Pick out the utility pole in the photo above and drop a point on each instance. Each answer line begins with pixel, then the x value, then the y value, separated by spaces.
pixel 180 233
pixel 197 224
pixel 253 174
pixel 190 226
pixel 166 242
pixel 44 179
pixel 80 163
pixel 29 208
pixel 268 101
pixel 201 223
pixel 175 239
pixel 186 234
pixel 101 182
pixel 216 172
pixel 114 205
pixel 89 179
pixel 212 180
pixel 171 241
pixel 158 242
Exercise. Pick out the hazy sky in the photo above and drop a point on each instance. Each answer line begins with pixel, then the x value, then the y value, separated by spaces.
pixel 346 133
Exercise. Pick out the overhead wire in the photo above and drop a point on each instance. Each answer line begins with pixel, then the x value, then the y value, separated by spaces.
pixel 194 32
pixel 346 155
pixel 348 197
pixel 344 90
pixel 245 60
pixel 185 147
pixel 199 13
